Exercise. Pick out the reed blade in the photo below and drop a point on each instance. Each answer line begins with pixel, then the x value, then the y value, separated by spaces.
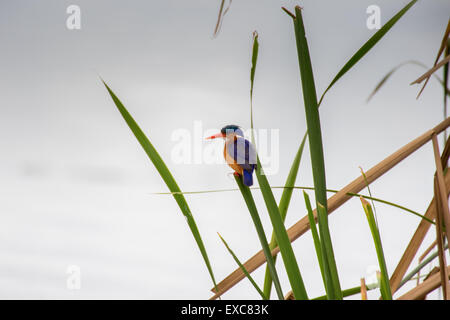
pixel 316 153
pixel 385 287
pixel 287 254
pixel 283 207
pixel 388 75
pixel 238 262
pixel 247 195
pixel 366 47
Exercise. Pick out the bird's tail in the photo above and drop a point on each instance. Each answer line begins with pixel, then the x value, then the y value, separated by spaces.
pixel 247 178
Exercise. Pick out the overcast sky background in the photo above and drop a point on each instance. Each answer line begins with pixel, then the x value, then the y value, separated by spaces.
pixel 75 186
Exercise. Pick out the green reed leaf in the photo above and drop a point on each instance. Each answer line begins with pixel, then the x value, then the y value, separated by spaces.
pixel 247 195
pixel 249 277
pixel 165 175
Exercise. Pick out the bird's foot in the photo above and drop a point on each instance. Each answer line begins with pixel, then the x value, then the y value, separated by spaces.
pixel 233 174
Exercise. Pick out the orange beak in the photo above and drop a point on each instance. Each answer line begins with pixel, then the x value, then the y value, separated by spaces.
pixel 218 135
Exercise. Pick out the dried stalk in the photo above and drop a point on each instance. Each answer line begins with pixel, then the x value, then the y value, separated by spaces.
pixel 443 190
pixel 363 289
pixel 440 242
pixel 441 49
pixel 427 251
pixel 428 74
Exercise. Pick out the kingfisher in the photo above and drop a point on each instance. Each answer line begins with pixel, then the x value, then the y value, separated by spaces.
pixel 239 153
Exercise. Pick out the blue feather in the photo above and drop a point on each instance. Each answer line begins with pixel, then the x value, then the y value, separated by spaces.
pixel 248 178
pixel 243 152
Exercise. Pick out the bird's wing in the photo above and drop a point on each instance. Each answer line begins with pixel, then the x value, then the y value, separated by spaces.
pixel 243 152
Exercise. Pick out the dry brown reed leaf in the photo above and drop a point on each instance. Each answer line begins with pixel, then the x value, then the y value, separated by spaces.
pixel 428 74
pixel 441 49
pixel 363 289
pixel 334 202
pixel 289 296
pixel 442 217
pixel 427 251
pixel 443 190
pixel 222 12
pixel 424 288
pixel 432 272
pixel 440 241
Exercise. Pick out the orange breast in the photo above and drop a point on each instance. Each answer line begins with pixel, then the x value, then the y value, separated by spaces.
pixel 231 162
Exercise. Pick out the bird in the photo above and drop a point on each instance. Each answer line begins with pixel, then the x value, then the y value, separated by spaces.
pixel 239 153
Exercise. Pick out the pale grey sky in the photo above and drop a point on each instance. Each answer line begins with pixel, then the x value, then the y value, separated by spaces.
pixel 75 186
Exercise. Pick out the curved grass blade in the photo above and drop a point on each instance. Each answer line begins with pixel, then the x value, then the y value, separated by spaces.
pixel 243 269
pixel 388 203
pixel 385 287
pixel 165 175
pixel 424 263
pixel 283 207
pixel 310 188
pixel 368 46
pixel 316 152
pixel 395 69
pixel 389 74
pixel 247 195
